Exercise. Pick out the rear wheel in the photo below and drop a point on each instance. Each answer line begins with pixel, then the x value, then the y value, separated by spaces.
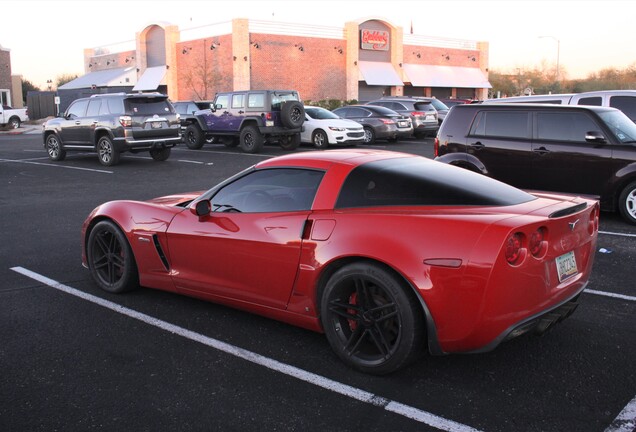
pixel 627 203
pixel 160 154
pixel 54 148
pixel 289 142
pixel 370 320
pixel 14 122
pixel 320 139
pixel 194 137
pixel 106 152
pixel 251 139
pixel 110 259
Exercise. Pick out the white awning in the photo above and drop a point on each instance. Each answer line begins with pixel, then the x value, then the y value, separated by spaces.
pixel 445 76
pixel 379 73
pixel 103 78
pixel 151 78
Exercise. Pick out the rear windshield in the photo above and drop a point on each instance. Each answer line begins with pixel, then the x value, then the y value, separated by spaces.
pixel 279 97
pixel 422 182
pixel 148 106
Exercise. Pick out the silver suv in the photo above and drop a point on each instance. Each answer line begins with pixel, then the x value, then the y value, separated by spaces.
pixel 112 124
pixel 422 112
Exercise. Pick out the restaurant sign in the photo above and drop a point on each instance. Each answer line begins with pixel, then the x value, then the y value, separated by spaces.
pixel 376 40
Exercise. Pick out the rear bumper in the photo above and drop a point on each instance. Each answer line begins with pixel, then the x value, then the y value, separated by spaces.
pixel 278 131
pixel 124 144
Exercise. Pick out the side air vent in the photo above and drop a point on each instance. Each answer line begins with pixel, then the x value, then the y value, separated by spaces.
pixel 568 211
pixel 164 260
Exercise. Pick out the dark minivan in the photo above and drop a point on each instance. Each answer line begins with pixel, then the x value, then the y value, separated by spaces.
pixel 573 149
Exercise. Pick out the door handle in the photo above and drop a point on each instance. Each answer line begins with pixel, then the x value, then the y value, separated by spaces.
pixel 541 151
pixel 477 145
pixel 77 122
pixel 241 112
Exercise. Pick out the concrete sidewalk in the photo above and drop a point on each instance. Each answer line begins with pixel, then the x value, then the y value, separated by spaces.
pixel 23 129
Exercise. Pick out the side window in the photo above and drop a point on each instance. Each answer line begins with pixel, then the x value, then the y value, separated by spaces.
pixel 269 190
pixel 357 112
pixel 509 124
pixel 237 101
pixel 343 112
pixel 256 100
pixel 77 109
pixel 627 104
pixel 116 106
pixel 564 126
pixel 94 106
pixel 397 107
pixel 103 108
pixel 222 102
pixel 596 101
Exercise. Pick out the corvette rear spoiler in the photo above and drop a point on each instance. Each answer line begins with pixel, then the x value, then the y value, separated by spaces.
pixel 568 211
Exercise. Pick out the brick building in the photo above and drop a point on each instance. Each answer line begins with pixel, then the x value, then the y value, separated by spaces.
pixel 10 85
pixel 363 60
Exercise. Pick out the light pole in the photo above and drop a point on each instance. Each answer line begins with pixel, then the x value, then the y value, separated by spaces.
pixel 49 83
pixel 558 53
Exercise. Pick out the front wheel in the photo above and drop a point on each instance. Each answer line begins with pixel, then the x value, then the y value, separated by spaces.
pixel 106 152
pixel 160 155
pixel 320 140
pixel 193 137
pixel 110 259
pixel 627 203
pixel 370 320
pixel 54 148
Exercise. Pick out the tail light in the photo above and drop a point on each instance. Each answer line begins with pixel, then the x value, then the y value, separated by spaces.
pixel 436 147
pixel 592 225
pixel 125 121
pixel 268 116
pixel 514 251
pixel 538 244
pixel 387 121
pixel 418 114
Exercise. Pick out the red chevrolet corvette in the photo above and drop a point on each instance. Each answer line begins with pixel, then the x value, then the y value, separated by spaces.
pixel 386 253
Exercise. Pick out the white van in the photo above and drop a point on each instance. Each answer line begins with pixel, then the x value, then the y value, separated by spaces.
pixel 624 100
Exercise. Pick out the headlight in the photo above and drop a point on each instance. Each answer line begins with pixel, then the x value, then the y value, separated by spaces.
pixel 337 129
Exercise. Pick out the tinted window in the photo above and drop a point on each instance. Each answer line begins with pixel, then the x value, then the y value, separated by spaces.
pixel 627 104
pixel 620 125
pixel 358 112
pixel 270 190
pixel 342 112
pixel 439 105
pixel 78 108
pixel 93 107
pixel 383 111
pixel 421 182
pixel 424 106
pixel 596 101
pixel 148 106
pixel 511 124
pixel 237 101
pixel 116 105
pixel 566 126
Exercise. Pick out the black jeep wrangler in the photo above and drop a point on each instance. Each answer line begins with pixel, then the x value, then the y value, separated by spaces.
pixel 249 118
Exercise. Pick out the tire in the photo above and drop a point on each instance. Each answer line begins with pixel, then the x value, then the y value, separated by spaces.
pixel 193 137
pixel 292 114
pixel 230 142
pixel 160 155
pixel 370 320
pixel 320 139
pixel 14 122
pixel 369 135
pixel 251 140
pixel 110 259
pixel 627 203
pixel 106 152
pixel 54 148
pixel 289 142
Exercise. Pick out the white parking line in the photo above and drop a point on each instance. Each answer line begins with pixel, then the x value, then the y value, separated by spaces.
pixel 55 165
pixel 613 295
pixel 626 420
pixel 617 234
pixel 301 374
pixel 190 161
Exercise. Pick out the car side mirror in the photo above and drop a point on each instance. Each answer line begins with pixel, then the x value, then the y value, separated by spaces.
pixel 201 208
pixel 595 137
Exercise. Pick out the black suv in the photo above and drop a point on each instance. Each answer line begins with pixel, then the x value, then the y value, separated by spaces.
pixel 111 124
pixel 572 149
pixel 249 119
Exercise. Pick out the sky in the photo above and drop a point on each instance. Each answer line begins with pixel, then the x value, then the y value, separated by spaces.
pixel 47 38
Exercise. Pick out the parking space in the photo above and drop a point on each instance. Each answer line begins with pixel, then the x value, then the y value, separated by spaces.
pixel 74 357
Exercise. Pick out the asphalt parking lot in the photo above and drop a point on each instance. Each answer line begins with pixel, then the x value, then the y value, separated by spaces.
pixel 75 358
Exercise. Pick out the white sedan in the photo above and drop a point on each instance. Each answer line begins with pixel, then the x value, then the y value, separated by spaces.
pixel 322 127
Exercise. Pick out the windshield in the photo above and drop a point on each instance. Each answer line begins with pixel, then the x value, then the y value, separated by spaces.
pixel 320 113
pixel 439 105
pixel 620 125
pixel 279 97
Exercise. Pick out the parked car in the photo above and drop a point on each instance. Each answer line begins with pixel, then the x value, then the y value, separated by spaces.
pixel 422 113
pixel 564 148
pixel 249 119
pixel 323 128
pixel 111 124
pixel 187 111
pixel 386 253
pixel 624 100
pixel 378 122
pixel 13 116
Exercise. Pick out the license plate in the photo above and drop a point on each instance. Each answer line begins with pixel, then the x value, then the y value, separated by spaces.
pixel 156 125
pixel 566 266
pixel 430 117
pixel 403 124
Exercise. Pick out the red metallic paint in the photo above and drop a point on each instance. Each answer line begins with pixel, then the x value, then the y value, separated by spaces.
pixel 263 263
